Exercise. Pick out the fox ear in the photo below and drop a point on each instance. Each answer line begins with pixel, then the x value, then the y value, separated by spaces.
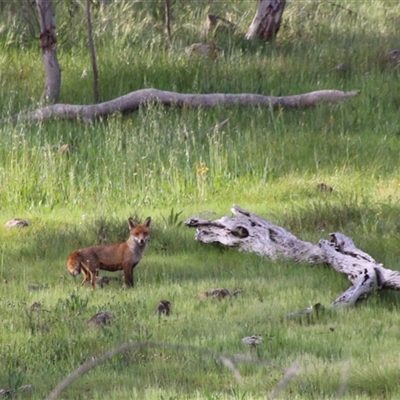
pixel 147 222
pixel 132 223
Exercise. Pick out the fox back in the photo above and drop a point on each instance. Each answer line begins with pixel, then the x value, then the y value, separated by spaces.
pixel 122 256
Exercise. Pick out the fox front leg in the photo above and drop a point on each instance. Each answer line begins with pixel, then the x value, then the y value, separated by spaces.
pixel 128 274
pixel 89 276
pixel 86 274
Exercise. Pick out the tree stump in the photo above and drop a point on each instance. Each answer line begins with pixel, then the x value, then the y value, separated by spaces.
pixel 267 20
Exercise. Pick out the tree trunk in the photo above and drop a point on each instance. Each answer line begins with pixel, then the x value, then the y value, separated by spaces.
pixel 96 92
pixel 251 233
pixel 144 97
pixel 267 20
pixel 48 45
pixel 168 20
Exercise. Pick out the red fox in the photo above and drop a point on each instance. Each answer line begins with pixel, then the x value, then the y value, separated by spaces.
pixel 115 257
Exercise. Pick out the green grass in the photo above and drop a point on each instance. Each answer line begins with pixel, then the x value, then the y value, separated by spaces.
pixel 159 162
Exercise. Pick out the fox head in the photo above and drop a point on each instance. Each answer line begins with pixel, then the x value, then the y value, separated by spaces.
pixel 74 265
pixel 140 233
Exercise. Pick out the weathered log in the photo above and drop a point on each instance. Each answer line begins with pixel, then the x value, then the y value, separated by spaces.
pixel 145 97
pixel 385 278
pixel 251 233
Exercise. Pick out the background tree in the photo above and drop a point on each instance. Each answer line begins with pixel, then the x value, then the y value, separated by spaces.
pixel 96 91
pixel 267 20
pixel 168 19
pixel 48 45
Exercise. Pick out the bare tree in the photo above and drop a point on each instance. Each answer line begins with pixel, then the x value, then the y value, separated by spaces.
pixel 168 19
pixel 48 45
pixel 267 20
pixel 92 48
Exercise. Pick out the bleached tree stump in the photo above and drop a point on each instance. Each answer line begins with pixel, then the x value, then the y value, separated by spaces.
pixel 267 20
pixel 251 233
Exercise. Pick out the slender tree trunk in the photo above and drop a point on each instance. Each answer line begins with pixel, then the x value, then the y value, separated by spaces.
pixel 48 45
pixel 267 20
pixel 168 19
pixel 96 92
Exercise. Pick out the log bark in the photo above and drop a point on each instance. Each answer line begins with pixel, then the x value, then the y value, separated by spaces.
pixel 267 20
pixel 48 45
pixel 145 97
pixel 251 233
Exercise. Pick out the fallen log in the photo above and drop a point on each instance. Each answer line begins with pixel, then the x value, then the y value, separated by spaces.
pixel 142 98
pixel 251 233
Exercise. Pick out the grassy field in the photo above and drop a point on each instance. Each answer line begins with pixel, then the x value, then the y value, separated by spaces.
pixel 160 162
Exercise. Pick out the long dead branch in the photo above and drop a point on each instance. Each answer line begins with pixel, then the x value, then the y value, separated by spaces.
pixel 251 233
pixel 226 360
pixel 145 97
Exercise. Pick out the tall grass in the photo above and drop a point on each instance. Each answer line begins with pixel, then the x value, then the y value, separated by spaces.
pixel 166 163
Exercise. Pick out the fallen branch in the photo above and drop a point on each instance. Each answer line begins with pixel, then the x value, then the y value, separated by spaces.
pixel 145 97
pixel 251 233
pixel 216 21
pixel 226 360
pixel 215 127
pixel 291 373
pixel 342 7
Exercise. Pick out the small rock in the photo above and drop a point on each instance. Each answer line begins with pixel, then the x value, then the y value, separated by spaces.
pixel 25 388
pixel 36 306
pixel 219 293
pixel 324 187
pixel 17 223
pixel 102 318
pixel 253 340
pixel 11 392
pixel 315 309
pixel 7 392
pixel 102 280
pixel 163 307
pixel 65 148
pixel 209 50
pixel 33 288
pixel 394 55
pixel 342 67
